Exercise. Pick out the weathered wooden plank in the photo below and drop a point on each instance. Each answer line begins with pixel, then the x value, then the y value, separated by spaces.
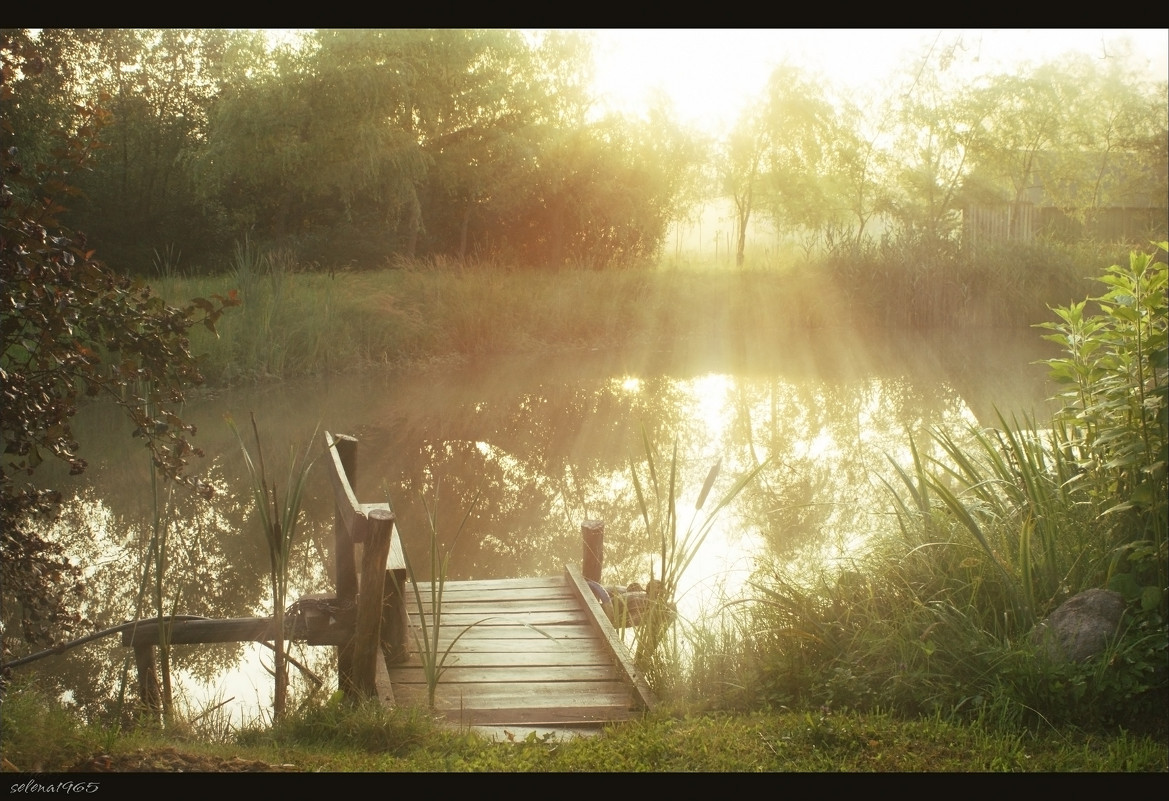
pixel 507 659
pixel 461 594
pixel 345 500
pixel 498 606
pixel 534 648
pixel 527 716
pixel 498 585
pixel 610 636
pixel 570 631
pixel 509 645
pixel 498 695
pixel 511 618
pixel 242 629
pixel 462 673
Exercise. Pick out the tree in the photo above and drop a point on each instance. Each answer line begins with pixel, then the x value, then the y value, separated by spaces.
pixel 71 327
pixel 739 166
pixel 799 122
pixel 854 176
pixel 940 124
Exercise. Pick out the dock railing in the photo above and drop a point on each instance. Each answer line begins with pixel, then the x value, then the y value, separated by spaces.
pixel 365 615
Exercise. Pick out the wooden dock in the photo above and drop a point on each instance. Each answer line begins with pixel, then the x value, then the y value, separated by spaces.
pixel 526 653
pixel 530 653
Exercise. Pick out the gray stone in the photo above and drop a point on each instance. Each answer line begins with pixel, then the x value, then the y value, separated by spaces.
pixel 1082 626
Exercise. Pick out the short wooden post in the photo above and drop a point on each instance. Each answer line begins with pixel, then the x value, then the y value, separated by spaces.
pixel 367 639
pixel 395 619
pixel 593 534
pixel 148 686
pixel 344 564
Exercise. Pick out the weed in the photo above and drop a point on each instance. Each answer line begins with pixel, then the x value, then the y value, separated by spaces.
pixel 279 519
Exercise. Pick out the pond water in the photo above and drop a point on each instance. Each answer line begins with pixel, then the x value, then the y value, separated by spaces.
pixel 510 456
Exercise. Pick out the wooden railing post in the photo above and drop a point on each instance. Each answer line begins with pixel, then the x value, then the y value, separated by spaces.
pixel 367 638
pixel 345 566
pixel 395 619
pixel 377 602
pixel 593 534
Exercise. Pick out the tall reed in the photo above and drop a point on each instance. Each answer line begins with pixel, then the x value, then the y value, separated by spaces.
pixel 428 634
pixel 279 519
pixel 658 504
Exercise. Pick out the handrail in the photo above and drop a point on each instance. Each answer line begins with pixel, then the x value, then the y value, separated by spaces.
pixel 613 641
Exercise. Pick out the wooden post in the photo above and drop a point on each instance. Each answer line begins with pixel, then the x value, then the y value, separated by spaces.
pixel 148 687
pixel 593 534
pixel 395 619
pixel 367 637
pixel 344 562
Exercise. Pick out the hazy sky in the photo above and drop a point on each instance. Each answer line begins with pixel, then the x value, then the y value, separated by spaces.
pixel 712 74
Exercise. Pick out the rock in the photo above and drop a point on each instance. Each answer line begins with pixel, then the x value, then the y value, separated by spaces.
pixel 1082 626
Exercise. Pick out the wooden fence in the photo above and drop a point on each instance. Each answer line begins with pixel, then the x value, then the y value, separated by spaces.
pixel 1023 222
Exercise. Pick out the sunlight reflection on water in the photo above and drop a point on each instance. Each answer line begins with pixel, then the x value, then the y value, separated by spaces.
pixel 545 446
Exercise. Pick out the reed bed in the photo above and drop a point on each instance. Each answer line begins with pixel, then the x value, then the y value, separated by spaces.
pixel 296 321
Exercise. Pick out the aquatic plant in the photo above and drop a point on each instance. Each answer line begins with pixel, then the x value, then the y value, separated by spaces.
pixel 430 650
pixel 279 518
pixel 657 500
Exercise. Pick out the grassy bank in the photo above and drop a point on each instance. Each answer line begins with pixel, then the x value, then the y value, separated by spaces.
pixel 42 738
pixel 916 655
pixel 294 321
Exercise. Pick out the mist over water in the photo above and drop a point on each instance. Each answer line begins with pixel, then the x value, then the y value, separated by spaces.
pixel 543 443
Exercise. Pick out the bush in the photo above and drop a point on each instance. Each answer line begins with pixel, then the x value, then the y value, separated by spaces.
pixel 995 531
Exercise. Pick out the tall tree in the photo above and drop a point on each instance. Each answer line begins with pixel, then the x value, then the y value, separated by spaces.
pixel 70 325
pixel 939 123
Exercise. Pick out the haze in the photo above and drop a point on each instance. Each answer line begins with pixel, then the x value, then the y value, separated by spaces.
pixel 711 75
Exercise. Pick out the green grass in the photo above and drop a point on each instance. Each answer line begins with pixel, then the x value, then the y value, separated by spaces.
pixel 336 737
pixel 295 322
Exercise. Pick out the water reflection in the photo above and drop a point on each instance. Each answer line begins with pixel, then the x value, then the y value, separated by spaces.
pixel 543 445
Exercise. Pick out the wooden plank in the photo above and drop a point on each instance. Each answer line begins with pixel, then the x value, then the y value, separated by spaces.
pixel 460 594
pixel 502 606
pixel 499 695
pixel 505 645
pixel 506 659
pixel 575 717
pixel 242 629
pixel 610 636
pixel 462 673
pixel 562 633
pixel 496 585
pixel 346 502
pixel 486 618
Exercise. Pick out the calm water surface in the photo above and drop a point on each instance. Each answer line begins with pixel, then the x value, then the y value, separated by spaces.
pixel 539 444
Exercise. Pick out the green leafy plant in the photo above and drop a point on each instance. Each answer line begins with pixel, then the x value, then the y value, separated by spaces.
pixel 1116 409
pixel 279 518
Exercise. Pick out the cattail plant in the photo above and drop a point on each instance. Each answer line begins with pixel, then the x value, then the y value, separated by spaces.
pixel 659 512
